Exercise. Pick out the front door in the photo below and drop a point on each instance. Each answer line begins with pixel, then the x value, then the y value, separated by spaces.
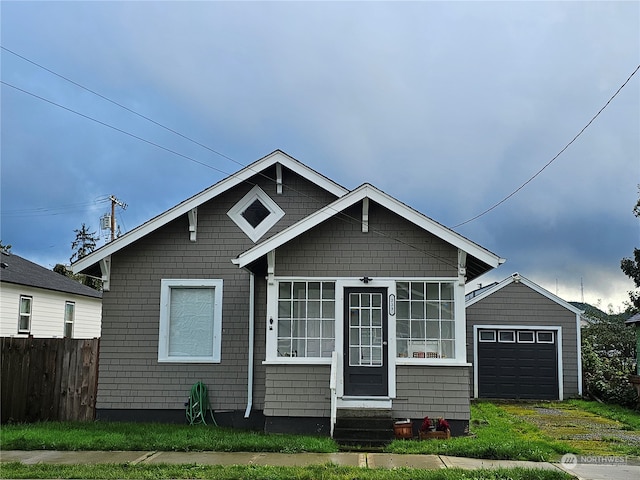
pixel 365 342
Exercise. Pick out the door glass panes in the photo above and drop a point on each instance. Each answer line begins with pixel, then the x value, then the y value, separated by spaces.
pixel 425 319
pixel 306 319
pixel 365 329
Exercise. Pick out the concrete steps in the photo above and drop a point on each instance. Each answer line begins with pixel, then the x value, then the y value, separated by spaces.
pixel 363 427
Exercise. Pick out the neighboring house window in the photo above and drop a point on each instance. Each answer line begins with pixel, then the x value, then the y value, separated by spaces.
pixel 190 321
pixel 425 324
pixel 69 317
pixel 255 213
pixel 306 319
pixel 24 318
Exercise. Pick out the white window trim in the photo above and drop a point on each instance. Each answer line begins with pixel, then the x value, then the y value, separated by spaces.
pixel 500 340
pixel 533 336
pixel 493 338
pixel 165 299
pixel 275 213
pixel 73 320
pixel 20 314
pixel 545 341
pixel 271 356
pixel 459 318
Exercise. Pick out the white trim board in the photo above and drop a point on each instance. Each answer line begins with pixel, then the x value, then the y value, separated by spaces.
pixel 517 278
pixel 353 197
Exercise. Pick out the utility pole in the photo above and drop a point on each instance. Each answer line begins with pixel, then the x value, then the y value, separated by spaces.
pixel 114 202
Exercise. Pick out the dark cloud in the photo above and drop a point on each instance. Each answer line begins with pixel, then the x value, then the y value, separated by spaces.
pixel 448 106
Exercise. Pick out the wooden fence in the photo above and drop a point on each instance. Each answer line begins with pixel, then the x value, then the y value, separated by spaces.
pixel 48 379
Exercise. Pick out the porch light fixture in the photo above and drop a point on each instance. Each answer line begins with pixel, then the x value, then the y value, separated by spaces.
pixel 365 279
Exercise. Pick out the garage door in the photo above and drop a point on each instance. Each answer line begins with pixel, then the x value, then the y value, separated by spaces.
pixel 520 364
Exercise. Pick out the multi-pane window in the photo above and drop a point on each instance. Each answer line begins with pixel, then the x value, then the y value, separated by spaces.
pixel 69 317
pixel 24 317
pixel 190 321
pixel 365 329
pixel 425 323
pixel 306 319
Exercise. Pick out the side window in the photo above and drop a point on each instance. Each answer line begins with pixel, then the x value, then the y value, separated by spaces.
pixel 69 318
pixel 24 315
pixel 190 321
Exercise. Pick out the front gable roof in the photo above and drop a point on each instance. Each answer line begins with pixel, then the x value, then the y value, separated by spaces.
pixel 20 271
pixel 517 278
pixel 222 186
pixel 479 262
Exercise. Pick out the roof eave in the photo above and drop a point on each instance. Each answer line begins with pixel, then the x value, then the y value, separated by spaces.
pixel 490 259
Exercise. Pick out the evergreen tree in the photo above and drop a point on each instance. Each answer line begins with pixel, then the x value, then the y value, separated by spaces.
pixel 84 244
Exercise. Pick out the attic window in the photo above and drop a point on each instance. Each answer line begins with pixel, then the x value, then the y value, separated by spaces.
pixel 255 213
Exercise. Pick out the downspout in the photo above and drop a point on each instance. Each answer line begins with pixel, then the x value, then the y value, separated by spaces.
pixel 247 412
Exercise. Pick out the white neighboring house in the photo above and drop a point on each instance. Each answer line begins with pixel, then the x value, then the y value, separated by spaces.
pixel 42 303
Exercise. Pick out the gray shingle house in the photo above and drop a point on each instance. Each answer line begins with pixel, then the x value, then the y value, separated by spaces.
pixel 524 342
pixel 293 299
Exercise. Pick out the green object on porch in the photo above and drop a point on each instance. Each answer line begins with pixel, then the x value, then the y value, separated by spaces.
pixel 198 404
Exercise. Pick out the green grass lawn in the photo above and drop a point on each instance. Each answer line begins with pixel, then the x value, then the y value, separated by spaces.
pixel 219 472
pixel 495 434
pixel 153 436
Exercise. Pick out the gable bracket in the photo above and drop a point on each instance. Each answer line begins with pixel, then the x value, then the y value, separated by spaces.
pixel 271 267
pixel 365 215
pixel 105 270
pixel 193 223
pixel 462 267
pixel 279 178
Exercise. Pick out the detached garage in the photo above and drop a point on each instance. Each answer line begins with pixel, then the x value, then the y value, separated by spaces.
pixel 524 342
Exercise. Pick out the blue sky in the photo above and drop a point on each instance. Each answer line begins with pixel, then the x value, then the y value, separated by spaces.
pixel 447 106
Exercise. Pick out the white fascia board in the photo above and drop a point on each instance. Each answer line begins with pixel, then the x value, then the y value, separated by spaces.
pixel 516 277
pixel 206 195
pixel 367 191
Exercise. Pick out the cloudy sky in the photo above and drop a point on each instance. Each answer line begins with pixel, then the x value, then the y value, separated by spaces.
pixel 447 106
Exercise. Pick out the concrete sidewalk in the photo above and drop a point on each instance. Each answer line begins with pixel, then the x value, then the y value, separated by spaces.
pixel 625 471
pixel 368 460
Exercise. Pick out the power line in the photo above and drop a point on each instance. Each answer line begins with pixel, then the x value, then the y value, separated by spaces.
pixel 121 105
pixel 342 215
pixel 114 128
pixel 553 159
pixel 45 211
